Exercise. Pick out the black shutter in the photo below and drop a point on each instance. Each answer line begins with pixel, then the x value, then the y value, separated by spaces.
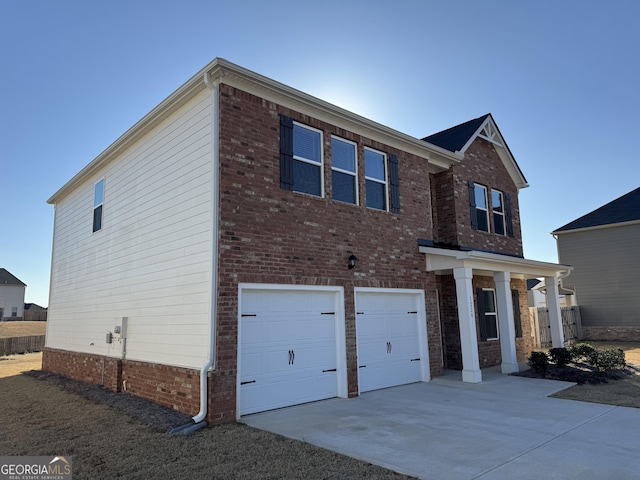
pixel 286 152
pixel 517 320
pixel 394 183
pixel 472 205
pixel 482 320
pixel 507 207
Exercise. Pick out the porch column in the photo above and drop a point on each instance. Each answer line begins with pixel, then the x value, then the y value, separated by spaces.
pixel 555 317
pixel 466 318
pixel 505 322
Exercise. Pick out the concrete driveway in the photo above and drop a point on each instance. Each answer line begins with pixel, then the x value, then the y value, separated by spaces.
pixel 503 428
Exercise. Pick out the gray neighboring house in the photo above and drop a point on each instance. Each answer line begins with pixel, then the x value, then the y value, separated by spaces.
pixel 603 248
pixel 11 296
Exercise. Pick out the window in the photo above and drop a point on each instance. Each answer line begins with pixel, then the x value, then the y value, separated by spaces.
pixel 98 199
pixel 482 212
pixel 497 205
pixel 14 311
pixel 375 179
pixel 343 171
pixel 300 157
pixel 487 314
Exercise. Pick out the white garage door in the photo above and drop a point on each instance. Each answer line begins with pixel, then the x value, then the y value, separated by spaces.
pixel 387 330
pixel 287 348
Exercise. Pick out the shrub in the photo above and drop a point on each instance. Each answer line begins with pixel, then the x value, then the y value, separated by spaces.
pixel 607 360
pixel 539 361
pixel 583 351
pixel 560 356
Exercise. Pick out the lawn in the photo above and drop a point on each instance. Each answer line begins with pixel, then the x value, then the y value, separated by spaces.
pixel 22 329
pixel 112 435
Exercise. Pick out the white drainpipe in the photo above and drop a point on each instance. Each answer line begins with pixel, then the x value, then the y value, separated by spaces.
pixel 215 170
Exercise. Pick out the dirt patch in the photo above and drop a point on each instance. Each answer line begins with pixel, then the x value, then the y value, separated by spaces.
pixel 22 329
pixel 624 392
pixel 107 439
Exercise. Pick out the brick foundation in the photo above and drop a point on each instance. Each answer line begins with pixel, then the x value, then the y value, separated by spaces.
pixel 620 334
pixel 174 387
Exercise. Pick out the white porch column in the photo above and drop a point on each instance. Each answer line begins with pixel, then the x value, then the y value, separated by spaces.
pixel 505 322
pixel 466 318
pixel 555 317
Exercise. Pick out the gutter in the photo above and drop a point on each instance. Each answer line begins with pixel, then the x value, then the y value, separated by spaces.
pixel 198 420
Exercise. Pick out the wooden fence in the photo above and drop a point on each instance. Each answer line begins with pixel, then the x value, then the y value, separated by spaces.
pixel 571 324
pixel 13 345
pixel 34 315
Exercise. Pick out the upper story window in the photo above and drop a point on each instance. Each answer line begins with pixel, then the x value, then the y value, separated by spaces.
pixel 98 200
pixel 497 206
pixel 482 211
pixel 14 311
pixel 343 170
pixel 375 173
pixel 301 168
pixel 500 209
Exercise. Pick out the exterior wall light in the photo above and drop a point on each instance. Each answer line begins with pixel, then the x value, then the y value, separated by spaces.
pixel 353 260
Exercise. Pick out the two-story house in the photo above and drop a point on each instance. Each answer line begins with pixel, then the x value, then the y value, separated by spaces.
pixel 11 296
pixel 246 246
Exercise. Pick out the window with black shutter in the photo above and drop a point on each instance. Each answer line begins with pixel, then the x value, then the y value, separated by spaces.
pixel 300 157
pixel 487 314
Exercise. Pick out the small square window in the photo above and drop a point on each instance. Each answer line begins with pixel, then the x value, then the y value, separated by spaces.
pixel 375 173
pixel 14 311
pixel 343 170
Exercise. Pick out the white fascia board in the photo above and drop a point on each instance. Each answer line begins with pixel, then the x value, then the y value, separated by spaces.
pixel 598 227
pixel 228 73
pixel 442 259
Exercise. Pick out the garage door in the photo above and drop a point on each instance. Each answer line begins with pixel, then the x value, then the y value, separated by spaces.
pixel 287 348
pixel 387 328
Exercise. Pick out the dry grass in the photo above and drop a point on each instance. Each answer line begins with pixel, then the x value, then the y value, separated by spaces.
pixel 16 364
pixel 22 329
pixel 42 417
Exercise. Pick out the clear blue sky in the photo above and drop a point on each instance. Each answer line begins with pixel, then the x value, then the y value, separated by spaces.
pixel 562 79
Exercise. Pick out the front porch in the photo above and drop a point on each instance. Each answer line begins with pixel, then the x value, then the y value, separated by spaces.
pixel 497 317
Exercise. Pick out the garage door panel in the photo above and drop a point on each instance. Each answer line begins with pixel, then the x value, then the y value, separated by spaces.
pixel 388 343
pixel 287 339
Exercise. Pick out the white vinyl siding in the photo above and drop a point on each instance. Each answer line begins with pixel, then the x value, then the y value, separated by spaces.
pixel 11 296
pixel 152 261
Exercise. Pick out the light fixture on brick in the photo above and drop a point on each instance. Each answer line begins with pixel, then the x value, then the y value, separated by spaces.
pixel 352 261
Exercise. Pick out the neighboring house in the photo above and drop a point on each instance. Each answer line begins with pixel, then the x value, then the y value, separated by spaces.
pixel 246 246
pixel 602 246
pixel 11 296
pixel 537 294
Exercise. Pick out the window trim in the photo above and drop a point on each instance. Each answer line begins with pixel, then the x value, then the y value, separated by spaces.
pixel 354 173
pixel 98 206
pixel 501 214
pixel 386 178
pixel 308 160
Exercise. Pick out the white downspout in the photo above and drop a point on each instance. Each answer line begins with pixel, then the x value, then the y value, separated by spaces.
pixel 215 176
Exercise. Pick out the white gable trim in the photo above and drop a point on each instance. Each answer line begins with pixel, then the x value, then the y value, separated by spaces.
pixel 489 131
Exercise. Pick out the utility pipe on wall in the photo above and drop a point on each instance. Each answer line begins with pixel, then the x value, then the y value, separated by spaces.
pixel 214 86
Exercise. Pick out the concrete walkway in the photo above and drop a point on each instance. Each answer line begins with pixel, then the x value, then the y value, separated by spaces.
pixel 502 428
